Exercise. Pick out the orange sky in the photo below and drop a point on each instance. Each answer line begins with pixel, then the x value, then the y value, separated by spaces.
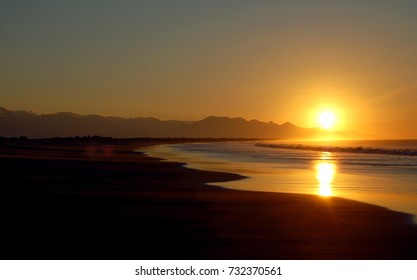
pixel 264 60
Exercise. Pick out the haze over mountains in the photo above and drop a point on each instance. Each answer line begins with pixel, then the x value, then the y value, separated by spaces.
pixel 64 124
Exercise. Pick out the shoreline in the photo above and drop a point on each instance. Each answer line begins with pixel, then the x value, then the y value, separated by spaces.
pixel 105 201
pixel 298 178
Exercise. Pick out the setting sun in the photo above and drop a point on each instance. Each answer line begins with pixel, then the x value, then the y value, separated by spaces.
pixel 327 119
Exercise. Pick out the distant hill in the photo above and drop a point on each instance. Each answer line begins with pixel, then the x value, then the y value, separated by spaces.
pixel 239 127
pixel 64 124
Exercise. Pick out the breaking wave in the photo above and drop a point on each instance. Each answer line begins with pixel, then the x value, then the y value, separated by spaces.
pixel 342 149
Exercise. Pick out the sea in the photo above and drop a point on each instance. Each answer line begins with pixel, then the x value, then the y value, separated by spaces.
pixel 380 172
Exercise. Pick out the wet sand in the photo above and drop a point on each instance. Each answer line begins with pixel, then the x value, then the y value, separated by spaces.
pixel 98 199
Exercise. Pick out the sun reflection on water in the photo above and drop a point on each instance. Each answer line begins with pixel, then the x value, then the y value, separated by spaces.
pixel 325 172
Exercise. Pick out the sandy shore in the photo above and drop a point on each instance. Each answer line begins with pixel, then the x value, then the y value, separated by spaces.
pixel 101 200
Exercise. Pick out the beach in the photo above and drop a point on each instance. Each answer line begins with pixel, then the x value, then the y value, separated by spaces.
pixel 99 199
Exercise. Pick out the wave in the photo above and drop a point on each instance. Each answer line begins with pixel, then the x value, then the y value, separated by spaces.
pixel 356 150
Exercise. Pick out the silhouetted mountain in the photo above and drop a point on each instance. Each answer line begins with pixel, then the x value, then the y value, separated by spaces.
pixel 66 124
pixel 233 128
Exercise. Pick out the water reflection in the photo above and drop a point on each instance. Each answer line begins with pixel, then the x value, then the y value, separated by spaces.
pixel 326 171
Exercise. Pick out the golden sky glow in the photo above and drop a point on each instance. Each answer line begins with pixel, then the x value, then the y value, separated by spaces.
pixel 268 60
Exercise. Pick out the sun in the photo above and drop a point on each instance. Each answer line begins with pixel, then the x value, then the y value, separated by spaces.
pixel 327 119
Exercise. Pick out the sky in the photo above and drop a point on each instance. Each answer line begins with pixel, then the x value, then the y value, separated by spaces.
pixel 187 59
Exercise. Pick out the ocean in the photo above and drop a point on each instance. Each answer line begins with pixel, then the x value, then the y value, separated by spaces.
pixel 380 172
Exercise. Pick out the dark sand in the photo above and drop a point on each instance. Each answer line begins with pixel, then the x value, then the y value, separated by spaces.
pixel 100 200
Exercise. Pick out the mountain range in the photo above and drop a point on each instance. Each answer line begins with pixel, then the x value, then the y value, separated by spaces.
pixel 66 124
